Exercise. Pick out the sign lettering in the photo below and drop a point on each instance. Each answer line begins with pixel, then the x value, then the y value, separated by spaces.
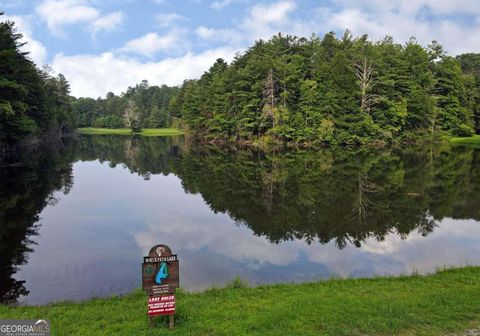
pixel 161 305
pixel 160 279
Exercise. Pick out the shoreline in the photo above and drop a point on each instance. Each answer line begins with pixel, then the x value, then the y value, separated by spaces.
pixel 269 143
pixel 127 131
pixel 441 303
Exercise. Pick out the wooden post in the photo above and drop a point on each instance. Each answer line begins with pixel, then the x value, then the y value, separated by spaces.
pixel 171 322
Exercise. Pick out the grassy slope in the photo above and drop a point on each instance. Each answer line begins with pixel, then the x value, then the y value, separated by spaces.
pixel 127 131
pixel 433 305
pixel 475 139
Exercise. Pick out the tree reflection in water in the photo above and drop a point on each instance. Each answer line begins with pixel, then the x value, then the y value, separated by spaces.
pixel 340 195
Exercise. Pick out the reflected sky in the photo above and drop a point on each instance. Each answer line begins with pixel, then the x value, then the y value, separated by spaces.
pixel 91 242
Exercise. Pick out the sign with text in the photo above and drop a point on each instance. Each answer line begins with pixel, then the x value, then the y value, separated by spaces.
pixel 161 305
pixel 160 274
pixel 160 279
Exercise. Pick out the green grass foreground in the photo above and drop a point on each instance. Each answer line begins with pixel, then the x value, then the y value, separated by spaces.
pixel 474 139
pixel 127 131
pixel 438 304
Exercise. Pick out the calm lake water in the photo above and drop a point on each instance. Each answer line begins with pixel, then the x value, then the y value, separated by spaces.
pixel 77 217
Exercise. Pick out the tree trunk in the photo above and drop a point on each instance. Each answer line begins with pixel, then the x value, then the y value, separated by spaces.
pixel 364 74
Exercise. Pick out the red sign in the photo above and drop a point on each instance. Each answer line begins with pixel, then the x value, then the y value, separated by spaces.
pixel 161 305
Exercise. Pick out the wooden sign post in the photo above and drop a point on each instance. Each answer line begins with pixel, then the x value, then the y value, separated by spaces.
pixel 160 279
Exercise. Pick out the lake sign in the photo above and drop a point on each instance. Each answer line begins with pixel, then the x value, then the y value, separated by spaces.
pixel 161 305
pixel 160 271
pixel 160 279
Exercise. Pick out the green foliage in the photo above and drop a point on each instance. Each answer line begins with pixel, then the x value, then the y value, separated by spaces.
pixel 32 101
pixel 237 283
pixel 325 131
pixel 463 130
pixel 470 64
pixel 109 121
pixel 155 107
pixel 287 87
pixel 158 118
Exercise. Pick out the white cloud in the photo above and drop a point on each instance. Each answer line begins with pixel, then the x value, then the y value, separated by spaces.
pixel 95 75
pixel 231 36
pixel 454 24
pixel 167 20
pixel 107 22
pixel 453 242
pixel 267 20
pixel 427 20
pixel 37 51
pixel 275 13
pixel 152 43
pixel 262 22
pixel 412 7
pixel 58 14
pixel 220 4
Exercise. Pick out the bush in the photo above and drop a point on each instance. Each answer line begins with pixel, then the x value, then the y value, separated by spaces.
pixel 463 131
pixel 109 121
pixel 325 131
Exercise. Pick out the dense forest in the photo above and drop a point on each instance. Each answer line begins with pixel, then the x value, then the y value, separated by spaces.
pixel 148 104
pixel 316 91
pixel 33 102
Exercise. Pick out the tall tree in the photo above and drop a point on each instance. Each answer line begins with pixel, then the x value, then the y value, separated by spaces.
pixel 132 116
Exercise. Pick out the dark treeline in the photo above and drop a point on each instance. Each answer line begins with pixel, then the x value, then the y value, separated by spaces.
pixel 317 90
pixel 309 91
pixel 32 101
pixel 332 90
pixel 148 105
pixel 470 64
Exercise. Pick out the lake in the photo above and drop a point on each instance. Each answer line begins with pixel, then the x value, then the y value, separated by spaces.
pixel 77 216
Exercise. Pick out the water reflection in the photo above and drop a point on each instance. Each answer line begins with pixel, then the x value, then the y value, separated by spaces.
pixel 313 214
pixel 27 181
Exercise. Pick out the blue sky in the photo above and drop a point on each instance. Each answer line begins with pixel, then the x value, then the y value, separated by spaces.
pixel 107 45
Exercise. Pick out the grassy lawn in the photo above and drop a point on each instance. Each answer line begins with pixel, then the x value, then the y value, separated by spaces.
pixel 127 131
pixel 475 139
pixel 446 302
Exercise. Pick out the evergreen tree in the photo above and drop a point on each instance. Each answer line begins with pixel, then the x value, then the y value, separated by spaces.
pixel 32 102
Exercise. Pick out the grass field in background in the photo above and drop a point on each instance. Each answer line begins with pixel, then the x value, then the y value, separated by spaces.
pixel 475 139
pixel 127 131
pixel 443 303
